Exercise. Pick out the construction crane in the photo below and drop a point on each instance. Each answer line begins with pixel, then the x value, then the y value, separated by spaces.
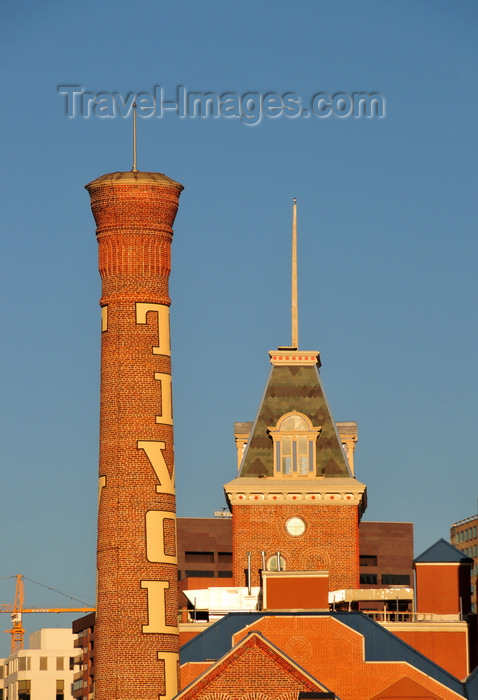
pixel 16 613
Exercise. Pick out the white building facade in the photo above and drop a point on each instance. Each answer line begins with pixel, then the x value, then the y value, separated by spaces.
pixel 44 671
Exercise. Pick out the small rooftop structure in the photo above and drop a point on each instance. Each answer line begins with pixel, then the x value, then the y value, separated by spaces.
pixel 442 552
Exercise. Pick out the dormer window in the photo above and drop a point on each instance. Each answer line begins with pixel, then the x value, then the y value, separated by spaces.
pixel 294 445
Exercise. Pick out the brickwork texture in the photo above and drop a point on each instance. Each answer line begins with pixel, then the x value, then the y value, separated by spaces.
pixel 330 541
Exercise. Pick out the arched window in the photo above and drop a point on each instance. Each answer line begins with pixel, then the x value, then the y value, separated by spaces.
pixel 272 563
pixel 294 445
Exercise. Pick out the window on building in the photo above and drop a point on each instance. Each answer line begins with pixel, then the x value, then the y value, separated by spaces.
pixel 24 688
pixel 200 572
pixel 395 579
pixel 72 663
pixel 59 663
pixel 199 557
pixel 294 440
pixel 271 564
pixel 368 560
pixel 60 689
pixel 224 557
pixel 368 579
pixel 43 663
pixel 23 663
pixel 224 574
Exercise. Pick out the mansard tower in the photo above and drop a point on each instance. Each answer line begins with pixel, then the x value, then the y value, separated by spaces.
pixel 136 646
pixel 295 503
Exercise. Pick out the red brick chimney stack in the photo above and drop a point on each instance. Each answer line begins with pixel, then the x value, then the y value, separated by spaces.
pixel 137 643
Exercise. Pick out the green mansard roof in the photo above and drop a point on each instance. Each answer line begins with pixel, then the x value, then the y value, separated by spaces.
pixel 294 387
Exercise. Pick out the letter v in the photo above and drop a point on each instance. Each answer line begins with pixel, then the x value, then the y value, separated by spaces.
pixel 154 452
pixel 124 107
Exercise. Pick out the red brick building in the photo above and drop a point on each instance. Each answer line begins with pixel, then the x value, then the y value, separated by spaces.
pixel 83 683
pixel 345 653
pixel 296 510
pixel 386 554
pixel 296 533
pixel 205 547
pixel 385 550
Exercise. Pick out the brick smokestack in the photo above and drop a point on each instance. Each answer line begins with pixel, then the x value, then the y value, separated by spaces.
pixel 137 642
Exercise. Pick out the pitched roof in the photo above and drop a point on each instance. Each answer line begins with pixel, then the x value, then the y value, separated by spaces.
pixel 380 644
pixel 294 388
pixel 442 552
pixel 259 663
pixel 403 688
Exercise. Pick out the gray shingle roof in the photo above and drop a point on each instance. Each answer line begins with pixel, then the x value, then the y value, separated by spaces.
pixel 442 552
pixel 294 388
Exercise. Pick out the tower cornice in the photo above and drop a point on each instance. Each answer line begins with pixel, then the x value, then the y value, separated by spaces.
pixel 134 177
pixel 291 356
pixel 335 491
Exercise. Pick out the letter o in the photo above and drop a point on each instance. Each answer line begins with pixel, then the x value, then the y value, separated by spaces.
pixel 342 104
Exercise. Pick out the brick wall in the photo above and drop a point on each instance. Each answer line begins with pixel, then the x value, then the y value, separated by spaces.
pixel 253 671
pixel 443 588
pixel 330 540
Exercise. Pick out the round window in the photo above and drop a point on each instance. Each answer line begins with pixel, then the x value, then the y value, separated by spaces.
pixel 295 526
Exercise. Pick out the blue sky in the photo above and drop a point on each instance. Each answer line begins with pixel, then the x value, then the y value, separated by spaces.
pixel 387 251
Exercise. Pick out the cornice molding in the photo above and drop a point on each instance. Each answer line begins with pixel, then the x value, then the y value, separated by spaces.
pixel 317 491
pixel 284 356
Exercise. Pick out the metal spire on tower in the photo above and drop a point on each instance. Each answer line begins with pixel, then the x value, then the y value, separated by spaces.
pixel 294 309
pixel 134 169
